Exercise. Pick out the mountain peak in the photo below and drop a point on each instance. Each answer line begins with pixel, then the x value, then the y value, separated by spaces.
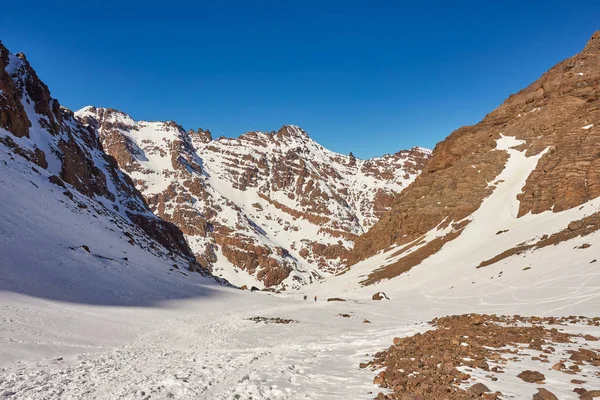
pixel 204 135
pixel 110 114
pixel 291 131
pixel 550 120
pixel 594 43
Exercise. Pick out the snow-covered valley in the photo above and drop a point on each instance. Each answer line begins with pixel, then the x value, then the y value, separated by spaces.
pixel 205 347
pixel 114 235
pixel 193 339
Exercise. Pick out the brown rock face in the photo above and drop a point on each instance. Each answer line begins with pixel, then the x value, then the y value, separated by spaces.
pixel 13 117
pixel 163 232
pixel 71 152
pixel 559 112
pixel 201 135
pixel 276 205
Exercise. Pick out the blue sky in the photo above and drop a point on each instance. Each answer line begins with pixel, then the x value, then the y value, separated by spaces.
pixel 371 77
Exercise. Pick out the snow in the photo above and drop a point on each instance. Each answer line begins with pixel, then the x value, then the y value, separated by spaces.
pixel 205 348
pixel 588 126
pixel 78 326
pixel 270 227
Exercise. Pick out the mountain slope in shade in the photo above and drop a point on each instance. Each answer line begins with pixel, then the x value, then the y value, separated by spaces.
pixel 555 121
pixel 59 189
pixel 265 209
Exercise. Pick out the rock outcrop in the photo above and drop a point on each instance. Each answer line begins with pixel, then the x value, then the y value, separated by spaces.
pixel 36 127
pixel 558 114
pixel 466 354
pixel 277 206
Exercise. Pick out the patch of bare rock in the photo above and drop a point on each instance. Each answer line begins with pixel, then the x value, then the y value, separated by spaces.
pixel 442 363
pixel 276 320
pixel 380 296
pixel 544 394
pixel 532 376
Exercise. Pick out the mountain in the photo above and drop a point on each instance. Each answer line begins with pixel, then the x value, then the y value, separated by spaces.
pixel 264 209
pixel 494 243
pixel 65 200
pixel 508 185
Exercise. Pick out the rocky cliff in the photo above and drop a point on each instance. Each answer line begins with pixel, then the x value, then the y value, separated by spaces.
pixel 556 118
pixel 36 128
pixel 266 208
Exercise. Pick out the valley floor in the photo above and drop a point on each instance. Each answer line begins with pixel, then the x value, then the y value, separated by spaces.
pixel 206 348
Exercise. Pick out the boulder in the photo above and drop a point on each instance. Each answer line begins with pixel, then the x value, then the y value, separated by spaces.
pixel 575 225
pixel 379 296
pixel 532 376
pixel 589 394
pixel 544 394
pixel 479 389
pixel 57 181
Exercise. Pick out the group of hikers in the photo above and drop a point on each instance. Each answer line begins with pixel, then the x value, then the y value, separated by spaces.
pixel 306 297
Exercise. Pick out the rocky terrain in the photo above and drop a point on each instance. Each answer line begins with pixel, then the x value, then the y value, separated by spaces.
pixel 266 208
pixel 36 131
pixel 462 351
pixel 555 119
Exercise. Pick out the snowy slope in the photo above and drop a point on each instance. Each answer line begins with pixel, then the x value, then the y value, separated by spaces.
pixel 264 209
pixel 205 348
pixel 43 254
pixel 493 229
pixel 73 226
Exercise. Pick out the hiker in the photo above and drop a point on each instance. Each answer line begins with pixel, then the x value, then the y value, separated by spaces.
pixel 315 298
pixel 305 297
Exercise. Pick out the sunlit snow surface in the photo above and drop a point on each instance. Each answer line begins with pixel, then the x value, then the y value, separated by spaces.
pixel 186 339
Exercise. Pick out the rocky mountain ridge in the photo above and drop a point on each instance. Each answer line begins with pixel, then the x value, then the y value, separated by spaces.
pixel 265 209
pixel 47 137
pixel 556 119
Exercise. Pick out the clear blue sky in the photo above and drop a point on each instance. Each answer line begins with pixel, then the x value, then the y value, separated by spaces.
pixel 370 77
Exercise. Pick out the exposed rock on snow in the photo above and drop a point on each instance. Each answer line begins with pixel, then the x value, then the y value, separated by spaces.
pixel 544 394
pixel 276 320
pixel 34 126
pixel 275 209
pixel 473 356
pixel 379 296
pixel 532 376
pixel 546 116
